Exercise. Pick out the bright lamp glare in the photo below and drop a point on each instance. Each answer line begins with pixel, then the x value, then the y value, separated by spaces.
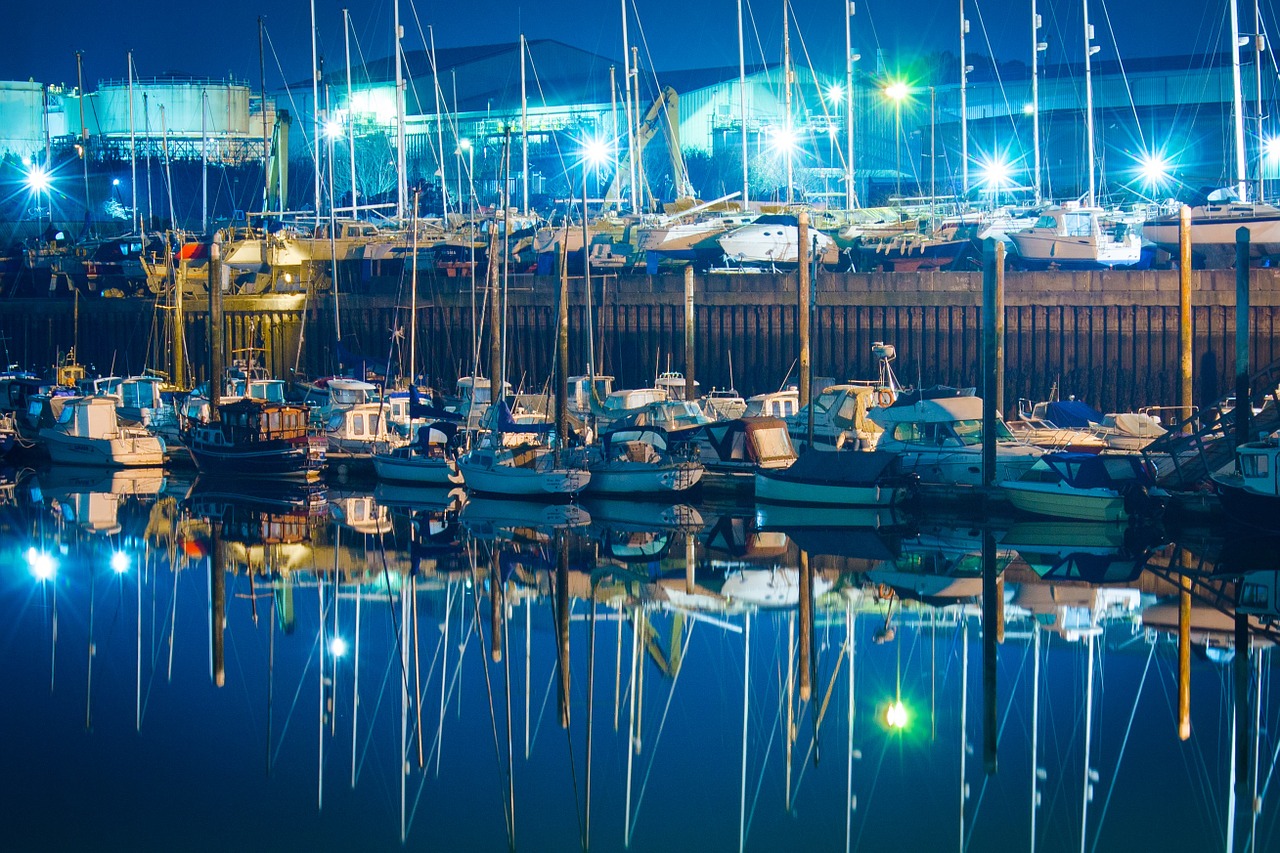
pixel 119 562
pixel 37 179
pixel 1153 168
pixel 783 139
pixel 41 564
pixel 333 128
pixel 337 647
pixel 595 151
pixel 835 92
pixel 897 91
pixel 995 172
pixel 1272 147
pixel 896 716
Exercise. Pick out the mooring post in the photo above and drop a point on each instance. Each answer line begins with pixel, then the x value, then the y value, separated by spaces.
pixel 562 627
pixel 1184 313
pixel 802 311
pixel 217 596
pixel 1184 650
pixel 178 370
pixel 992 353
pixel 1243 740
pixel 1243 410
pixel 216 359
pixel 689 382
pixel 562 359
pixel 495 321
pixel 991 615
pixel 805 664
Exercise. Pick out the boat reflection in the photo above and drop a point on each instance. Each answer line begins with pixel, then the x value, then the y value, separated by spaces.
pixel 484 673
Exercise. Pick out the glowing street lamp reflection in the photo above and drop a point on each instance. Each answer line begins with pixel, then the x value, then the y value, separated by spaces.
pixel 333 128
pixel 119 562
pixel 37 179
pixel 595 152
pixel 896 715
pixel 41 564
pixel 783 139
pixel 337 647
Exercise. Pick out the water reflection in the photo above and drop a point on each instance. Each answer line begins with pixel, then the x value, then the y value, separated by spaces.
pixel 410 666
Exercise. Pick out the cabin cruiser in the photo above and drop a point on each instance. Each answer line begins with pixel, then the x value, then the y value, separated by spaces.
pixel 772 239
pixel 1251 493
pixel 254 438
pixel 937 435
pixel 1084 486
pixel 87 432
pixel 1073 237
pixel 1214 223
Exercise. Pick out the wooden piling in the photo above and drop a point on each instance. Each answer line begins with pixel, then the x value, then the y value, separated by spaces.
pixel 689 384
pixel 1185 362
pixel 1243 410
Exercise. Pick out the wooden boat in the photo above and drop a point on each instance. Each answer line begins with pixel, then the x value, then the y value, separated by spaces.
pixel 847 478
pixel 255 438
pixel 87 432
pixel 1085 486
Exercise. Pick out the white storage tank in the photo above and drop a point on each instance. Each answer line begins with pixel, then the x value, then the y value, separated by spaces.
pixel 226 108
pixel 21 118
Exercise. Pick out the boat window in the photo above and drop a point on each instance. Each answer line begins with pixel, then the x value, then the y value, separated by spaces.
pixel 910 431
pixel 273 421
pixel 848 409
pixel 1253 595
pixel 1254 465
pixel 1047 222
pixel 357 424
pixel 1078 224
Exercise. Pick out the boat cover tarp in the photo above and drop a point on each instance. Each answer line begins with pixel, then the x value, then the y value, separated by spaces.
pixel 436 434
pixel 434 410
pixel 1072 414
pixel 841 468
pixel 507 422
pixel 1091 471
pixel 761 439
pixel 653 435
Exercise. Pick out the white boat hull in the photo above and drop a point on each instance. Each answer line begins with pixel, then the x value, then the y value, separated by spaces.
pixel 516 481
pixel 428 472
pixel 770 489
pixel 1058 249
pixel 1214 236
pixel 641 479
pixel 127 451
pixel 1058 500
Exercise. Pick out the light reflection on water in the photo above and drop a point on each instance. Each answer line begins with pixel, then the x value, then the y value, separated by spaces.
pixel 187 669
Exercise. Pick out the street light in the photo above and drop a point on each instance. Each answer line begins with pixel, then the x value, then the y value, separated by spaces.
pixel 1154 169
pixel 897 92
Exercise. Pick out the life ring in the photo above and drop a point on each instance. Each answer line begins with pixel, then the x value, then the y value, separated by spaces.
pixel 884 397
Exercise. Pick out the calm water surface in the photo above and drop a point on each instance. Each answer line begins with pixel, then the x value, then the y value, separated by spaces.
pixel 386 669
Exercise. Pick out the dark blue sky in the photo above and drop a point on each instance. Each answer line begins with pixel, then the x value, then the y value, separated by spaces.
pixel 217 40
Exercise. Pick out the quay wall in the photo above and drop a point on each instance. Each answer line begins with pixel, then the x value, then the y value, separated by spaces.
pixel 1109 337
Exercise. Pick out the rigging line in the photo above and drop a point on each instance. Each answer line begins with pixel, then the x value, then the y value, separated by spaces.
pixel 555 137
pixel 1124 77
pixel 280 68
pixel 293 705
pixel 662 724
pixel 1120 757
pixel 364 64
pixel 773 730
pixel 1004 94
pixel 435 87
pixel 813 741
pixel 382 689
pixel 972 822
pixel 676 155
pixel 453 683
pixel 755 30
pixel 817 84
pixel 488 686
pixel 1209 816
pixel 875 782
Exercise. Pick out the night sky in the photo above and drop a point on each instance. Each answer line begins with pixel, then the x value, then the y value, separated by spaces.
pixel 218 40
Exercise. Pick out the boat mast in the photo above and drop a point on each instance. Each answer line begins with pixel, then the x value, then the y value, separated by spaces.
pixel 351 124
pixel 1237 102
pixel 402 187
pixel 1035 732
pixel 850 193
pixel 1259 47
pixel 742 108
pixel 133 152
pixel 1088 742
pixel 435 82
pixel 626 106
pixel 84 139
pixel 786 86
pixel 524 131
pixel 1089 51
pixel 413 303
pixel 204 163
pixel 315 113
pixel 964 107
pixel 1036 47
pixel 964 722
pixel 266 138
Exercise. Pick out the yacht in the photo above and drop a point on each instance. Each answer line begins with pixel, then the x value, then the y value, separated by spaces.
pixel 772 239
pixel 1213 229
pixel 1073 237
pixel 87 432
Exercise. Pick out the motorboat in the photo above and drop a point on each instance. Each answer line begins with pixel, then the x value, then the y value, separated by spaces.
pixel 254 438
pixel 354 433
pixel 639 462
pixel 1075 425
pixel 847 478
pixel 841 417
pixel 1073 237
pixel 938 436
pixel 733 451
pixel 1251 493
pixel 774 404
pixel 87 432
pixel 1085 486
pixel 772 239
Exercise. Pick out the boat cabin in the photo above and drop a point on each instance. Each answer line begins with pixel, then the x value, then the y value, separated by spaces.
pixel 88 417
pixel 633 398
pixel 775 404
pixel 249 421
pixel 580 392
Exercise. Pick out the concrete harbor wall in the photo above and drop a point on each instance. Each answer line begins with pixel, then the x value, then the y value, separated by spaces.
pixel 1107 337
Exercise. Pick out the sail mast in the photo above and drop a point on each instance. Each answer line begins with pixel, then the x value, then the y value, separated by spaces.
pixel 84 141
pixel 742 108
pixel 401 180
pixel 315 112
pixel 626 105
pixel 524 131
pixel 1089 51
pixel 1237 101
pixel 133 153
pixel 1036 47
pixel 351 124
pixel 786 85
pixel 435 84
pixel 850 194
pixel 964 106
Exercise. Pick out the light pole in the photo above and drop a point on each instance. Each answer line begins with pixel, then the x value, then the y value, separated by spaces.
pixel 38 181
pixel 897 92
